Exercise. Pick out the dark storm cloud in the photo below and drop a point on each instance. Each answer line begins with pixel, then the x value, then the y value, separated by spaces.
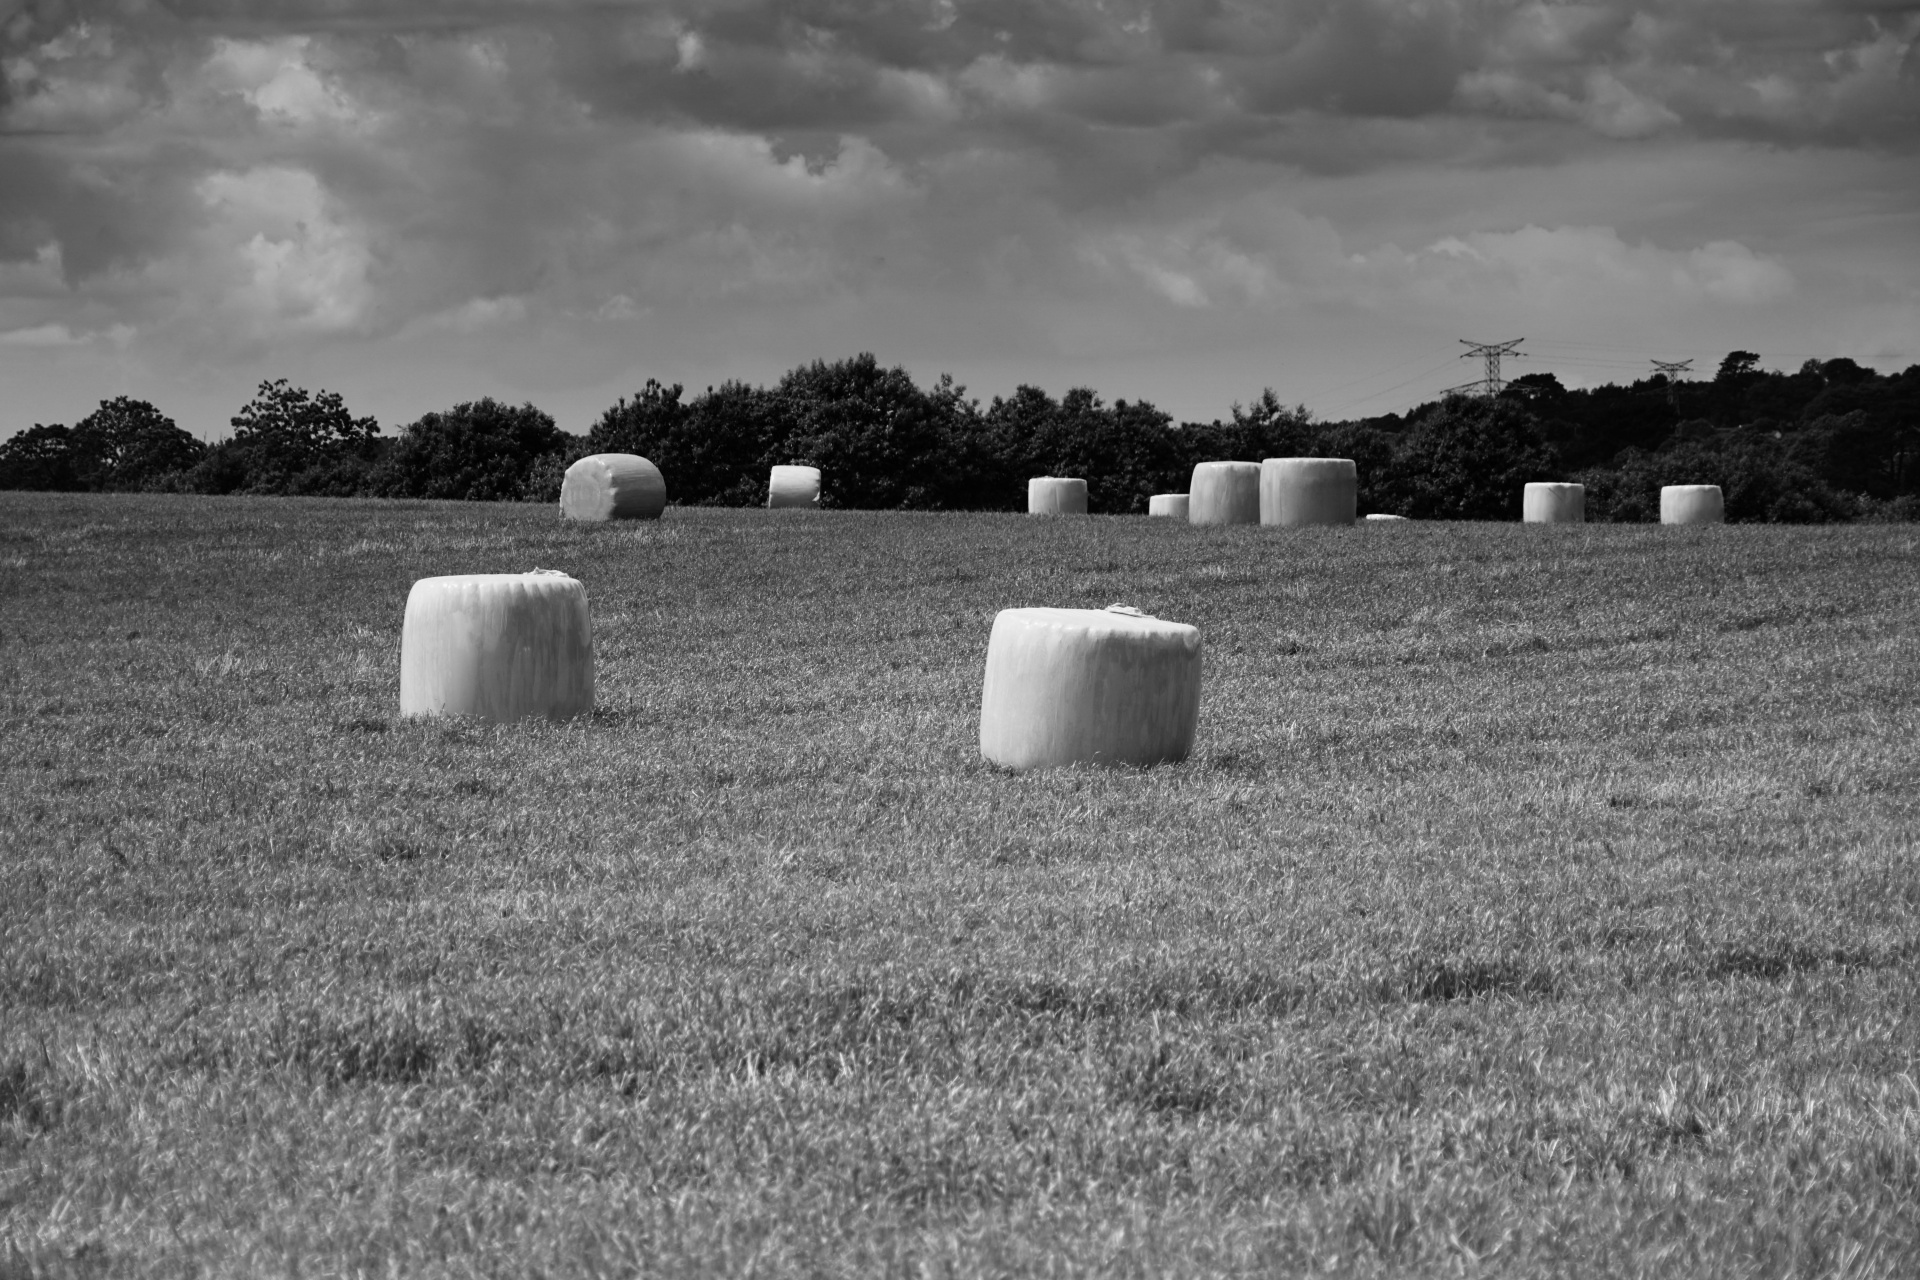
pixel 1832 70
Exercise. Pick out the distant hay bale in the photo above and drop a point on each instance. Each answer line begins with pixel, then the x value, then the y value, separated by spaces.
pixel 794 486
pixel 1553 503
pixel 1168 504
pixel 613 486
pixel 1692 504
pixel 1102 686
pixel 1381 515
pixel 1056 496
pixel 1296 492
pixel 1224 493
pixel 500 646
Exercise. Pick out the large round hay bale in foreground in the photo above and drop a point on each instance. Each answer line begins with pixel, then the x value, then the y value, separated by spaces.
pixel 1102 686
pixel 500 646
pixel 613 486
pixel 1550 503
pixel 1168 504
pixel 794 486
pixel 1296 492
pixel 1056 496
pixel 1224 493
pixel 1692 504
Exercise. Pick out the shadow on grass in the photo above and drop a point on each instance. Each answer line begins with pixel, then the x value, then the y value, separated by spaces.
pixel 1770 964
pixel 1439 982
pixel 26 1100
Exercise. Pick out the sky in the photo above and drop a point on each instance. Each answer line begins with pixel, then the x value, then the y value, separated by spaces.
pixel 417 204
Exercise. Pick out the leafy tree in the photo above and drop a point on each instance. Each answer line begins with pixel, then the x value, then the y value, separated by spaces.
pixel 1125 451
pixel 482 451
pixel 1759 482
pixel 876 437
pixel 972 477
pixel 1860 452
pixel 634 426
pixel 713 451
pixel 1267 429
pixel 129 444
pixel 1589 427
pixel 124 444
pixel 1016 430
pixel 288 440
pixel 1372 452
pixel 41 457
pixel 1468 459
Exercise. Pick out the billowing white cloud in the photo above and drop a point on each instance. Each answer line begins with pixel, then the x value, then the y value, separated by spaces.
pixel 278 78
pixel 281 257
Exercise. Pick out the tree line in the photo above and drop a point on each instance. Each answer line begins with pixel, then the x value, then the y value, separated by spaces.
pixel 1833 441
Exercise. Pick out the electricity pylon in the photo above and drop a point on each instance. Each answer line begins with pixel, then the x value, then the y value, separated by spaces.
pixel 1672 368
pixel 1490 353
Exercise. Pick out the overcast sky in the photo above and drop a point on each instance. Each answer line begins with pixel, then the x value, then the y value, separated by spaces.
pixel 420 202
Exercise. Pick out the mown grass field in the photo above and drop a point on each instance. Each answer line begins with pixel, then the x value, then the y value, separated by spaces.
pixel 1537 901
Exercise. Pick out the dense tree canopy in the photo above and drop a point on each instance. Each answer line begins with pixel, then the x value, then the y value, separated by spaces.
pixel 1831 440
pixel 288 440
pixel 124 444
pixel 483 451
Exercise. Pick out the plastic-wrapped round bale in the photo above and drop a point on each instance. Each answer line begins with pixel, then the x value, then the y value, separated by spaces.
pixel 1692 504
pixel 1308 491
pixel 794 486
pixel 1549 503
pixel 1105 686
pixel 1168 504
pixel 1381 515
pixel 613 486
pixel 1056 496
pixel 1224 493
pixel 500 646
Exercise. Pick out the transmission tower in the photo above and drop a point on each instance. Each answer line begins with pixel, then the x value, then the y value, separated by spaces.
pixel 1672 368
pixel 1490 353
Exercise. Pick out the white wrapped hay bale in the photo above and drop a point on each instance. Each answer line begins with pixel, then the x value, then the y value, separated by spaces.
pixel 794 486
pixel 500 646
pixel 1168 504
pixel 1295 492
pixel 1550 503
pixel 613 486
pixel 1106 686
pixel 1692 504
pixel 1381 515
pixel 1224 493
pixel 1056 496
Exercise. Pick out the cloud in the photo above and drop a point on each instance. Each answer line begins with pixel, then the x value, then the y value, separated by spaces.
pixel 50 336
pixel 44 335
pixel 229 178
pixel 276 255
pixel 1543 271
pixel 471 316
pixel 280 80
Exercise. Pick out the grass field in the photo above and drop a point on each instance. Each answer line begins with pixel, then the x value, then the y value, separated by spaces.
pixel 1537 901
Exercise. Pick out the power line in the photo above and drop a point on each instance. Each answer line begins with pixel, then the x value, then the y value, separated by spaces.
pixel 1375 395
pixel 1342 386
